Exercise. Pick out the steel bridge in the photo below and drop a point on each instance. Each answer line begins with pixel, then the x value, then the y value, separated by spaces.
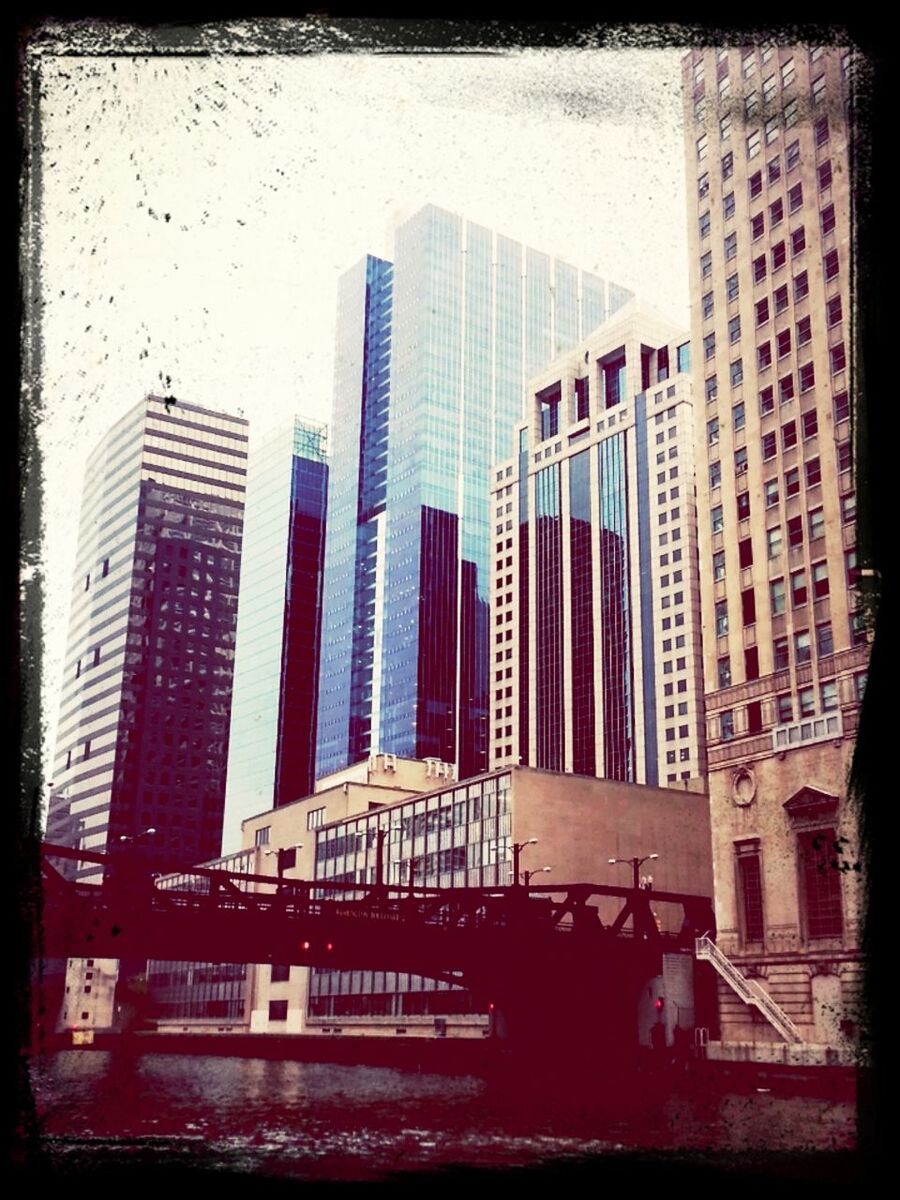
pixel 539 957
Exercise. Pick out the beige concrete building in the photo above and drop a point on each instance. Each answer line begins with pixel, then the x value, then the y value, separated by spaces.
pixel 595 592
pixel 785 643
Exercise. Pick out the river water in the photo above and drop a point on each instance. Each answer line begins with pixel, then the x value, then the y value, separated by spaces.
pixel 323 1121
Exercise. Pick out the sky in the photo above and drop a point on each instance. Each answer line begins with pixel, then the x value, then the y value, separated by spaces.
pixel 194 214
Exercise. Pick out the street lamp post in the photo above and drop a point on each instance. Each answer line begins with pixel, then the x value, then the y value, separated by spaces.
pixel 635 863
pixel 282 851
pixel 527 875
pixel 517 849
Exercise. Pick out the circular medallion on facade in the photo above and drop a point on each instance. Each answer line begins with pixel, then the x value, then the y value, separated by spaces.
pixel 743 786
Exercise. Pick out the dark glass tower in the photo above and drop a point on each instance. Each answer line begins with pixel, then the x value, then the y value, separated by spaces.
pixel 433 351
pixel 273 726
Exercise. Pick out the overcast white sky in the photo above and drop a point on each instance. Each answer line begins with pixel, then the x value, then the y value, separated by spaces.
pixel 196 213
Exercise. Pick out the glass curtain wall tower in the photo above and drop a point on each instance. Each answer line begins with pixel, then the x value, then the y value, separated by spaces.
pixel 143 732
pixel 433 353
pixel 271 758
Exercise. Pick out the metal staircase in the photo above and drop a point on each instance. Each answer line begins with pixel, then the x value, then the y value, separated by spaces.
pixel 749 990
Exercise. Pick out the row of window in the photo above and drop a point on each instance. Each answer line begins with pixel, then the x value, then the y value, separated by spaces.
pixel 771 130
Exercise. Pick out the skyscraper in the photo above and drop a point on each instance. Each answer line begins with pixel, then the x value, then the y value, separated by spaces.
pixel 433 350
pixel 142 741
pixel 596 663
pixel 271 757
pixel 785 641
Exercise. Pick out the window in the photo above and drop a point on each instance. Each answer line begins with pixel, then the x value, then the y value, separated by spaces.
pixel 791 113
pixel 807 375
pixel 724 122
pixel 827 218
pixel 748 607
pixel 787 73
pixel 96 656
pixel 723 667
pixel 737 372
pixel 105 570
pixel 703 185
pixel 715 474
pixel 261 837
pixel 769 446
pixel 821 131
pixel 771 128
pixel 709 346
pixel 776 596
pixel 768 89
pixel 281 972
pixel 838 358
pixel 762 311
pixel 712 388
pixel 707 306
pixel 706 265
pixel 773 542
pixel 759 269
pixel 702 145
pixel 845 456
pixel 859 685
pixel 748 63
pixel 719 565
pixel 792 156
pixel 87 581
pixel 795 532
pixel 734 330
pixel 798 240
pixel 730 246
pixel 704 224
pixel 820 579
pixel 824 640
pixel 728 206
pixel 753 148
pixel 798 589
pixel 743 506
pixel 683 357
pixel 823 172
pixel 795 197
pixel 750 891
pixel 712 431
pixel 716 519
pixel 732 287
pixel 757 226
pixel 766 401
pixel 726 724
pixel 721 618
pixel 818 89
pixel 740 461
pixel 774 169
pixel 833 311
pixel 789 435
pixel 806 702
pixel 831 265
pixel 802 648
pixel 784 343
pixel 770 490
pixel 784 708
pixel 801 286
pixel 858 634
pixel 780 299
pixel 779 256
pixel 848 509
pixel 764 356
pixel 278 1010
pixel 315 818
pixel 745 553
pixel 781 654
pixel 738 417
pixel 727 165
pixel 841 407
pixel 776 213
pixel 792 482
pixel 804 331
pixel 821 884
pixel 786 391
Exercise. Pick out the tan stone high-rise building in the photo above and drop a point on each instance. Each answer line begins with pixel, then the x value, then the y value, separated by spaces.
pixel 785 644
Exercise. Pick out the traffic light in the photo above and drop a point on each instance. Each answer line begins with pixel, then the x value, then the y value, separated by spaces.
pixel 659 1003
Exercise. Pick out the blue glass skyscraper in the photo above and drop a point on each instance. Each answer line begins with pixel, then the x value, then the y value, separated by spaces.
pixel 273 723
pixel 433 351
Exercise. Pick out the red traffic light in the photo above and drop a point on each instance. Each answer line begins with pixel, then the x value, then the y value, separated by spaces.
pixel 329 946
pixel 659 1003
pixel 304 945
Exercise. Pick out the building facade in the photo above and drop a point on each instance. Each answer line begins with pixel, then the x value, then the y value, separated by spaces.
pixel 433 350
pixel 461 835
pixel 785 642
pixel 596 662
pixel 142 741
pixel 271 757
